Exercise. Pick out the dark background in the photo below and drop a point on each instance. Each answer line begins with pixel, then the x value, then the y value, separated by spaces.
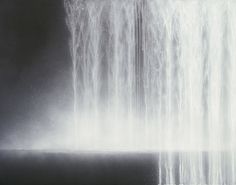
pixel 34 68
pixel 37 168
pixel 30 168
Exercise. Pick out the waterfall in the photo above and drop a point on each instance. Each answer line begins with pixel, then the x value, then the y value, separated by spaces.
pixel 157 75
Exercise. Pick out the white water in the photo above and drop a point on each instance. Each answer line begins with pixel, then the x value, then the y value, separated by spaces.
pixel 157 75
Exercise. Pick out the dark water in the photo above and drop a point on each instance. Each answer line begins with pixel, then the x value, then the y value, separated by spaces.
pixel 48 168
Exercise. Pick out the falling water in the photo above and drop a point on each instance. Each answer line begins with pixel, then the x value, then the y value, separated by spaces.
pixel 157 75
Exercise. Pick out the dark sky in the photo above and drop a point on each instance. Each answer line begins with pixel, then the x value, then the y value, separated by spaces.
pixel 34 66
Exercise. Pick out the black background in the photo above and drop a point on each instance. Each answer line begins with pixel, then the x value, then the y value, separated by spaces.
pixel 35 68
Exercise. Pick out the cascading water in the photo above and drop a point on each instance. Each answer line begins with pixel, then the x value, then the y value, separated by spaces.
pixel 157 75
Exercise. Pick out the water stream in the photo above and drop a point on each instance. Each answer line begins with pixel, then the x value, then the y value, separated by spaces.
pixel 157 75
